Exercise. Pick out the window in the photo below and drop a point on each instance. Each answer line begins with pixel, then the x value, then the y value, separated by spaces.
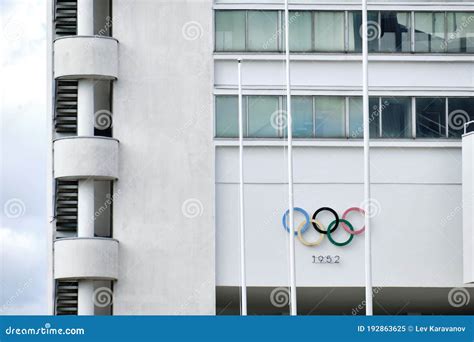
pixel 263 32
pixel 330 117
pixel 460 37
pixel 429 32
pixel 356 121
pixel 230 30
pixel 227 116
pixel 430 117
pixel 354 27
pixel 395 32
pixel 460 111
pixel 396 117
pixel 301 26
pixel 329 31
pixel 264 117
pixel 302 114
pixel 325 116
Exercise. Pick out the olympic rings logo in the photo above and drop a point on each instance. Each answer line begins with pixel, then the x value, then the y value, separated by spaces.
pixel 319 227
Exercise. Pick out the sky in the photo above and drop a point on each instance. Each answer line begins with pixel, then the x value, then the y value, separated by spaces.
pixel 23 158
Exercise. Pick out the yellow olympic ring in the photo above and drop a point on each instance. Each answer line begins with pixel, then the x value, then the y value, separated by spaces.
pixel 306 243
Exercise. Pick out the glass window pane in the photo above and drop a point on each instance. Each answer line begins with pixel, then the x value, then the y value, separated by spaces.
pixel 230 31
pixel 396 117
pixel 395 36
pixel 302 113
pixel 354 25
pixel 429 32
pixel 330 117
pixel 374 117
pixel 430 117
pixel 300 31
pixel 461 110
pixel 329 31
pixel 263 33
pixel 356 122
pixel 460 32
pixel 263 118
pixel 373 31
pixel 227 117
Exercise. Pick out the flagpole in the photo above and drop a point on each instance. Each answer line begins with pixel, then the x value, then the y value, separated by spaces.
pixel 365 95
pixel 293 304
pixel 243 282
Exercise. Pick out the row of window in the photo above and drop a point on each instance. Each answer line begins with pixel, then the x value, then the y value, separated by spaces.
pixel 341 117
pixel 340 31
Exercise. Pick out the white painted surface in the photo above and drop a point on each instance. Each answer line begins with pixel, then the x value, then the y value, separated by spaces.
pixel 86 157
pixel 401 75
pixel 86 258
pixel 468 205
pixel 164 215
pixel 416 236
pixel 77 57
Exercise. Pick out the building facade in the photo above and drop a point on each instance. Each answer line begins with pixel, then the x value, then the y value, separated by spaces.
pixel 144 168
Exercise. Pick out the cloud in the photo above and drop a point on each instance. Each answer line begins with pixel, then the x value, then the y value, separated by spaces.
pixel 23 151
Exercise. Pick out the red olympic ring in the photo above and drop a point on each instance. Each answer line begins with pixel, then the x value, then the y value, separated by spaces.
pixel 344 216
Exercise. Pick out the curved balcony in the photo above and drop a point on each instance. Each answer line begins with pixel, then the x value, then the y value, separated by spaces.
pixel 92 57
pixel 86 258
pixel 86 157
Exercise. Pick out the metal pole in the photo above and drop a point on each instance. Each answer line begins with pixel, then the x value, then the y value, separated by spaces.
pixel 241 193
pixel 85 127
pixel 365 93
pixel 293 305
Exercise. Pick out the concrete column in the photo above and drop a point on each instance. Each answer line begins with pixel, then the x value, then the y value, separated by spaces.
pixel 85 127
pixel 85 296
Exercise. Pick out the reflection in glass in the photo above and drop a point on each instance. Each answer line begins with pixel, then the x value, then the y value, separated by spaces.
pixel 460 111
pixel 230 30
pixel 263 30
pixel 329 31
pixel 430 117
pixel 262 116
pixel 460 32
pixel 429 32
pixel 227 116
pixel 330 116
pixel 395 31
pixel 396 117
pixel 301 25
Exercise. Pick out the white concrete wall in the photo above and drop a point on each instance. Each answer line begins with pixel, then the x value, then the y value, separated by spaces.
pixel 162 109
pixel 417 233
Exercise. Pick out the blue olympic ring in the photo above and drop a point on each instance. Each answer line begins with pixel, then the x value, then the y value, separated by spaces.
pixel 302 211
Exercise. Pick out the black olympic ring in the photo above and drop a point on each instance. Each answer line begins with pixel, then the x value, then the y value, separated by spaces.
pixel 332 211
